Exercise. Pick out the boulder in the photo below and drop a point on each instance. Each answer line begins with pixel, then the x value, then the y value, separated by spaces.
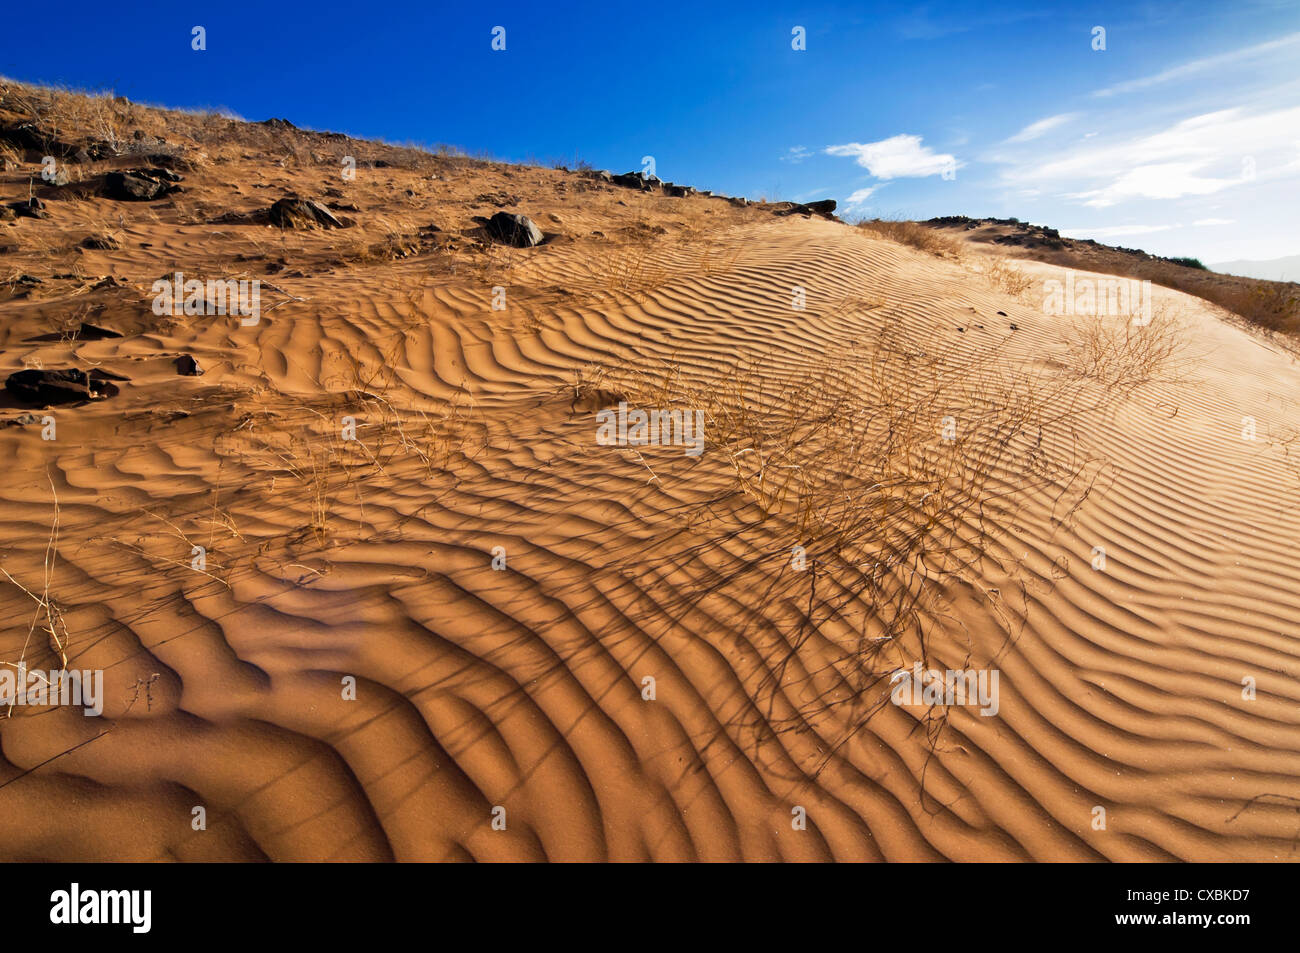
pixel 187 366
pixel 677 191
pixel 512 229
pixel 100 243
pixel 825 208
pixel 29 208
pixel 294 212
pixel 140 185
pixel 67 386
pixel 638 180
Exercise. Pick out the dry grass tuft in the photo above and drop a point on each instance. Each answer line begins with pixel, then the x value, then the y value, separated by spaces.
pixel 917 236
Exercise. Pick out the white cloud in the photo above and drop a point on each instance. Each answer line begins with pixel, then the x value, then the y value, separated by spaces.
pixel 796 155
pixel 1115 231
pixel 1215 221
pixel 858 198
pixel 1200 155
pixel 897 157
pixel 1197 66
pixel 1036 129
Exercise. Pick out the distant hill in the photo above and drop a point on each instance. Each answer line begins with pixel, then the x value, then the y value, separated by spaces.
pixel 1275 269
pixel 1257 298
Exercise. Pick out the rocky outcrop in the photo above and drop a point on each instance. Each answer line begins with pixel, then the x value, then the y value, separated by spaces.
pixel 512 229
pixel 638 180
pixel 67 386
pixel 294 212
pixel 140 185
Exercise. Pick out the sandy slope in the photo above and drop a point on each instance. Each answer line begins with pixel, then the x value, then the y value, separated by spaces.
pixel 522 688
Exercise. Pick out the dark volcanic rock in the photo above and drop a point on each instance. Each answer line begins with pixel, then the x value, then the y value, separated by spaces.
pixel 294 212
pixel 83 332
pixel 140 185
pixel 825 208
pixel 638 180
pixel 68 386
pixel 29 208
pixel 512 229
pixel 100 243
pixel 187 366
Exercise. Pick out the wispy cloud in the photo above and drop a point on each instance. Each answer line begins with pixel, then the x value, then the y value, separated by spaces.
pixel 897 157
pixel 858 199
pixel 796 155
pixel 1200 155
pixel 1115 231
pixel 1193 67
pixel 1036 129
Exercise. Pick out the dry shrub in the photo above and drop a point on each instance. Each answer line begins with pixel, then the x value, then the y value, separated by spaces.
pixel 916 236
pixel 899 466
pixel 1006 277
pixel 70 116
pixel 1271 305
pixel 1122 355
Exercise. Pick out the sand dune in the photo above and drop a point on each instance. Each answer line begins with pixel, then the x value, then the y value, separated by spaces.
pixel 522 687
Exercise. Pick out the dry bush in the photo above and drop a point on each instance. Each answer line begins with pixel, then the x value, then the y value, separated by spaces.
pixel 899 465
pixel 916 236
pixel 632 265
pixel 850 459
pixel 69 116
pixel 1122 355
pixel 1006 277
pixel 1271 305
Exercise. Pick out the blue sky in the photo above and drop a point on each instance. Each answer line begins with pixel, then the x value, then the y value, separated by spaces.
pixel 1182 136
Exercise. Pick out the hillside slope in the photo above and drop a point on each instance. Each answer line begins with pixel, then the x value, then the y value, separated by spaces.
pixel 622 652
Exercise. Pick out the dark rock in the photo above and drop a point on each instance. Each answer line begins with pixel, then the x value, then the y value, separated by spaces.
pixel 140 185
pixel 638 180
pixel 677 191
pixel 825 208
pixel 93 152
pixel 294 212
pixel 67 386
pixel 517 230
pixel 100 243
pixel 187 366
pixel 29 208
pixel 83 332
